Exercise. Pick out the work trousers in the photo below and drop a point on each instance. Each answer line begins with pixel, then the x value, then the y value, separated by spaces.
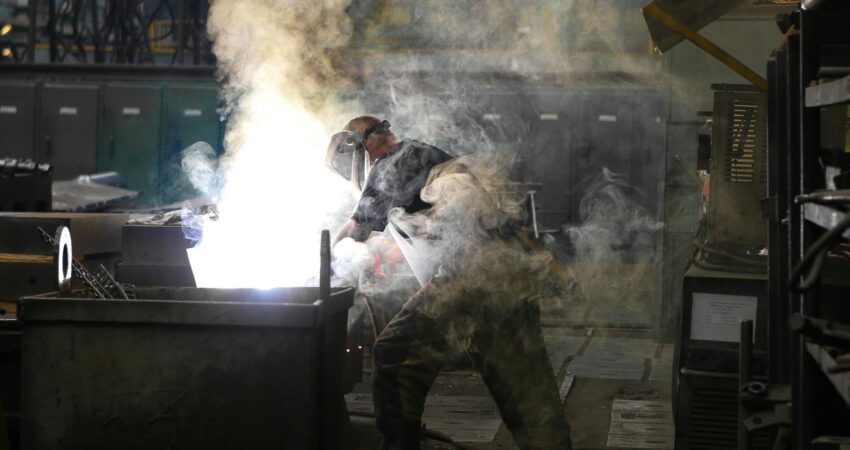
pixel 506 347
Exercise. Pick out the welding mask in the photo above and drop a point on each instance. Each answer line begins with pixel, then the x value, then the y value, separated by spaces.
pixel 347 155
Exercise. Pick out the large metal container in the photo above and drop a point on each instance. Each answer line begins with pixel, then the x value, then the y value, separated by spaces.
pixel 10 374
pixel 185 368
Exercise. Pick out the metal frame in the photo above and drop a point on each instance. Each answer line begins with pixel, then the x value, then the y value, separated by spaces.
pixel 657 13
pixel 795 169
pixel 119 32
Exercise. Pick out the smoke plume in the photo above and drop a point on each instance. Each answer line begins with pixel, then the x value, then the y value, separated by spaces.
pixel 281 61
pixel 280 87
pixel 614 255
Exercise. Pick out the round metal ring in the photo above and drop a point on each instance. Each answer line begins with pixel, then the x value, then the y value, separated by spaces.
pixel 64 258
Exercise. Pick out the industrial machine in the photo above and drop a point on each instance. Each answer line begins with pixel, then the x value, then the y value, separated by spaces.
pixel 727 282
pixel 738 168
pixel 707 356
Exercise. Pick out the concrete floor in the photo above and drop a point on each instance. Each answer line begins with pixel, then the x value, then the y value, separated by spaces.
pixel 619 395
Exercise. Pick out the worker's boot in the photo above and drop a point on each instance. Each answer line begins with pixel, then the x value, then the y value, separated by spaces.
pixel 403 435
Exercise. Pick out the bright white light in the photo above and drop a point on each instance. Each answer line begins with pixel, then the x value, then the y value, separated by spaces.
pixel 277 195
pixel 277 199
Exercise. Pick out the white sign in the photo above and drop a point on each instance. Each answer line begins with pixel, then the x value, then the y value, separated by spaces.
pixel 548 117
pixel 491 116
pixel 192 112
pixel 67 111
pixel 607 118
pixel 131 111
pixel 717 317
pixel 8 109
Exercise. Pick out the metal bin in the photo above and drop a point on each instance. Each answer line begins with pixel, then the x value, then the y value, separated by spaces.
pixel 185 368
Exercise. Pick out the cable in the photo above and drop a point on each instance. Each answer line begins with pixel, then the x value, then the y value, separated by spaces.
pixel 728 255
pixel 816 256
pixel 702 264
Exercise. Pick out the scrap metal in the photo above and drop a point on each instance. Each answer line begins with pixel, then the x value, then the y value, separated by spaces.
pixel 113 288
pixel 87 278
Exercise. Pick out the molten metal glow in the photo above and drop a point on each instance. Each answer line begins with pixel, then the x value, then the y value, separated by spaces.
pixel 277 198
pixel 6 29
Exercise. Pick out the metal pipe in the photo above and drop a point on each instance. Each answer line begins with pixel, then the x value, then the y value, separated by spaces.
pixel 707 374
pixel 51 30
pixel 325 267
pixel 181 30
pixel 196 38
pixel 31 35
pixel 533 214
pixel 745 357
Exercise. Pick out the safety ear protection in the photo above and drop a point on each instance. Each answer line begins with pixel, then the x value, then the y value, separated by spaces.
pixel 379 127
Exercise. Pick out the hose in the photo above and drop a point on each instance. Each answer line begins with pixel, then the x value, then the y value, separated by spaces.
pixel 816 256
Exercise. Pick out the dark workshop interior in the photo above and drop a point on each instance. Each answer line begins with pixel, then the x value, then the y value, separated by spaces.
pixel 424 224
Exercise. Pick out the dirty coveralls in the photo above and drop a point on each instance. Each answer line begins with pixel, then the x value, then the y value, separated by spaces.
pixel 506 347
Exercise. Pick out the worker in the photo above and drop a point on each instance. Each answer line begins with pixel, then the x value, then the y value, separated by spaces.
pixel 501 336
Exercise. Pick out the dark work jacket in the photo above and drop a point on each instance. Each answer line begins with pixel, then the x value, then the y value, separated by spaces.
pixel 395 180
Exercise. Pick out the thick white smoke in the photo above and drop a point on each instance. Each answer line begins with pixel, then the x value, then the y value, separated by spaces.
pixel 274 56
pixel 282 93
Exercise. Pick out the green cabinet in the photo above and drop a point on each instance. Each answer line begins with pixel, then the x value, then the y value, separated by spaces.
pixel 190 114
pixel 130 136
pixel 67 129
pixel 17 119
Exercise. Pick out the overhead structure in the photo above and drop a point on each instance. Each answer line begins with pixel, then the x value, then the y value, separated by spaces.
pixel 695 14
pixel 671 21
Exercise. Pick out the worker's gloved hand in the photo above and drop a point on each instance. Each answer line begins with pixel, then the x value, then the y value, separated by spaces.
pixel 387 253
pixel 351 258
pixel 393 255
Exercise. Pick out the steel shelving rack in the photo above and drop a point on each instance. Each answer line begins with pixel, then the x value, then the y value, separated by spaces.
pixel 809 327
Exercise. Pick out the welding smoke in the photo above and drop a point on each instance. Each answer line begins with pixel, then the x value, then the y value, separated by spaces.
pixel 614 259
pixel 436 97
pixel 282 93
pixel 200 165
pixel 280 88
pixel 471 237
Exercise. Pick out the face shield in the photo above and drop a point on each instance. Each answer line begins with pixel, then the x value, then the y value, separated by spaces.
pixel 347 156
